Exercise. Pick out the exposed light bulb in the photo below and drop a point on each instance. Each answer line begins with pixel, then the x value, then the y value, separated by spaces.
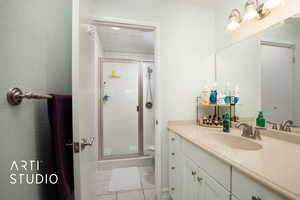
pixel 234 20
pixel 270 4
pixel 251 11
pixel 233 25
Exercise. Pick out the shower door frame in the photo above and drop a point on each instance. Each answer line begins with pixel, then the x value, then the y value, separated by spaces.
pixel 140 109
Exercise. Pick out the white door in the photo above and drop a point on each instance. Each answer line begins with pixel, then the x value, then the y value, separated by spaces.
pixel 277 94
pixel 85 93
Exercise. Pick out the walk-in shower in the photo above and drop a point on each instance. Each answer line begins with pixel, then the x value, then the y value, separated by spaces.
pixel 126 101
pixel 122 107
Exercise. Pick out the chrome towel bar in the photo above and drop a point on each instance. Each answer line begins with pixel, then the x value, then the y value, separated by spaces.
pixel 15 96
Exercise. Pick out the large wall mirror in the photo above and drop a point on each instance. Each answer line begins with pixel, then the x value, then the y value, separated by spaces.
pixel 266 67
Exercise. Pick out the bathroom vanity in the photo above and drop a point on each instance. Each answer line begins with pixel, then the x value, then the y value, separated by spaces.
pixel 207 164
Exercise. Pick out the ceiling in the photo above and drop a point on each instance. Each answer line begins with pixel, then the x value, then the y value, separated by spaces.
pixel 126 40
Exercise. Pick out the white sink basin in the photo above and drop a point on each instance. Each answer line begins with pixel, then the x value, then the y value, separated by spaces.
pixel 235 142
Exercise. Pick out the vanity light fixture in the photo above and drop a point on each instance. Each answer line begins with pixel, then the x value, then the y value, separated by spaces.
pixel 234 20
pixel 253 10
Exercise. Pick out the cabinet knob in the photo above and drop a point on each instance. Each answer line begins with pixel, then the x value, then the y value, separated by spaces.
pixel 172 188
pixel 256 198
pixel 173 154
pixel 199 179
pixel 172 139
pixel 193 173
pixel 173 167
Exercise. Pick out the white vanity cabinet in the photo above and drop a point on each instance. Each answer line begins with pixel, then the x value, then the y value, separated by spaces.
pixel 188 179
pixel 198 185
pixel 194 174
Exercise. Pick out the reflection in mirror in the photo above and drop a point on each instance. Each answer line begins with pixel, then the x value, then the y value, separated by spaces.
pixel 266 67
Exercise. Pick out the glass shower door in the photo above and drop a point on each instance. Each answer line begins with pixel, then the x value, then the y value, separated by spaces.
pixel 120 109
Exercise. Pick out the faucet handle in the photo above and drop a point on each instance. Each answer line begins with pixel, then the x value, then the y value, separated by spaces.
pixel 274 125
pixel 247 130
pixel 257 134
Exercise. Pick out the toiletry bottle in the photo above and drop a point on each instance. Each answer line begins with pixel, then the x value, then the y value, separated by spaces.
pixel 227 93
pixel 213 97
pixel 236 94
pixel 213 94
pixel 205 95
pixel 260 120
pixel 226 123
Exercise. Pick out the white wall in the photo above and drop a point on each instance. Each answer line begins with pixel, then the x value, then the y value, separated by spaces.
pixel 35 55
pixel 223 9
pixel 187 40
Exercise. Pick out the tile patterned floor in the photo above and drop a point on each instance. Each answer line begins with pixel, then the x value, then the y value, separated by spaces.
pixel 147 192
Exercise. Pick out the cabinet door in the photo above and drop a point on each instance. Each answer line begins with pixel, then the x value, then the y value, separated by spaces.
pixel 189 183
pixel 210 189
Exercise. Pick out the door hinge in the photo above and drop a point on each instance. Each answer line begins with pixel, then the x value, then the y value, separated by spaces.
pixel 76 147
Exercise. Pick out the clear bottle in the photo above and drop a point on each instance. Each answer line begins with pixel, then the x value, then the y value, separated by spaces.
pixel 205 95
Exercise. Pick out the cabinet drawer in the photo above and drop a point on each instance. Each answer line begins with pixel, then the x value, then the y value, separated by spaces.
pixel 245 188
pixel 213 166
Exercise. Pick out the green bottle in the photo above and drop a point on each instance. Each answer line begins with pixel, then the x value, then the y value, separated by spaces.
pixel 226 123
pixel 260 120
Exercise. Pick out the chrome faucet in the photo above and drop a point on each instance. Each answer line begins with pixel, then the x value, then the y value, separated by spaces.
pixel 274 125
pixel 286 125
pixel 248 132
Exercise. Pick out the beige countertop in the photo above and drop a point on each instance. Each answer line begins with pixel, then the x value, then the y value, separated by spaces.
pixel 276 164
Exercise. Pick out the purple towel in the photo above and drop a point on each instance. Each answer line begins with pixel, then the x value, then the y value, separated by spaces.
pixel 60 116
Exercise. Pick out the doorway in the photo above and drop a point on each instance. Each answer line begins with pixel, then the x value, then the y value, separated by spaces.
pixel 277 96
pixel 129 108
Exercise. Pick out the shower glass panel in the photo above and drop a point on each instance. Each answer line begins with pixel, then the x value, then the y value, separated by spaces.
pixel 120 108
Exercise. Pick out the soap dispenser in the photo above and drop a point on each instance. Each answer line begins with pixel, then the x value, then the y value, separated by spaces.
pixel 213 94
pixel 226 123
pixel 260 120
